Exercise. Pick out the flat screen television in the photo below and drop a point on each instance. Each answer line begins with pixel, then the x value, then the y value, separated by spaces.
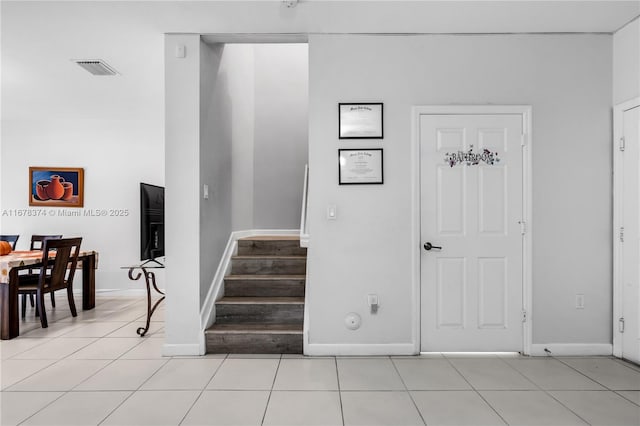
pixel 151 222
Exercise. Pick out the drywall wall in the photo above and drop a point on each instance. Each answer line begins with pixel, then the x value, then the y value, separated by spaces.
pixel 281 99
pixel 183 334
pixel 626 62
pixel 566 79
pixel 216 138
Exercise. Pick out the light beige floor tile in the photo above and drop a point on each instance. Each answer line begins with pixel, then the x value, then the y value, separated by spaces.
pixel 633 396
pixel 254 356
pixel 152 408
pixel 607 372
pixel 15 407
pixel 55 329
pixel 147 349
pixel 553 375
pixel 95 329
pixel 600 407
pixel 455 408
pixel 14 370
pixel 379 408
pixel 228 408
pixel 424 355
pixel 107 348
pixel 183 374
pixel 368 374
pixel 307 374
pixel 78 409
pixel 491 374
pixel 530 408
pixel 303 408
pixel 122 375
pixel 429 374
pixel 128 330
pixel 56 348
pixel 245 374
pixel 9 348
pixel 64 375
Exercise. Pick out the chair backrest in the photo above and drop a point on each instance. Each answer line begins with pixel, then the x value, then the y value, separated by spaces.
pixel 37 241
pixel 11 239
pixel 66 259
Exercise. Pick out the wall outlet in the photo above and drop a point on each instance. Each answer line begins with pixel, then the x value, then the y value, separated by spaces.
pixel 579 301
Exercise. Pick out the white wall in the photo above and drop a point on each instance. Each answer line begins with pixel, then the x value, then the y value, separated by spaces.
pixel 626 62
pixel 567 80
pixel 281 99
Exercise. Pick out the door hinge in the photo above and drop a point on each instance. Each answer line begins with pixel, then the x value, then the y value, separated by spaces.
pixel 523 227
pixel 524 316
pixel 621 325
pixel 622 144
pixel 622 234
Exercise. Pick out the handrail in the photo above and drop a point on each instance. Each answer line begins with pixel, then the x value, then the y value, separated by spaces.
pixel 304 231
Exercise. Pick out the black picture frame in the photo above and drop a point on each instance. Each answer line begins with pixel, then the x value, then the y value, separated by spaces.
pixel 361 166
pixel 363 120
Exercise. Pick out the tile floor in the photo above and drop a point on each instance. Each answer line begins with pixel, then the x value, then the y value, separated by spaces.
pixel 95 370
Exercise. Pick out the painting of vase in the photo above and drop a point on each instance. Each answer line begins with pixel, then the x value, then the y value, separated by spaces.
pixel 56 186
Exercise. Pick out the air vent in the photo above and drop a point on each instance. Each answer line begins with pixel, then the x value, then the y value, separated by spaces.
pixel 96 66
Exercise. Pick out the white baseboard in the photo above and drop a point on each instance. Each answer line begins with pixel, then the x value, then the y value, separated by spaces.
pixel 321 349
pixel 572 349
pixel 187 349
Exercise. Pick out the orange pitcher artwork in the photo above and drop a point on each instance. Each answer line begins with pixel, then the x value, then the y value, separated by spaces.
pixel 56 187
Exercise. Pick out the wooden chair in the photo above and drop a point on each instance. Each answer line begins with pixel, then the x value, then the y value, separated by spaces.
pixel 58 277
pixel 36 244
pixel 11 239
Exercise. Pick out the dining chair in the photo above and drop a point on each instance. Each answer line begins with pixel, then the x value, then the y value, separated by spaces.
pixel 11 239
pixel 36 244
pixel 63 262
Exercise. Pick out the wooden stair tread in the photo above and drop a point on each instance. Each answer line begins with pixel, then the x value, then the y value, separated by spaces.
pixel 271 238
pixel 240 300
pixel 256 328
pixel 257 277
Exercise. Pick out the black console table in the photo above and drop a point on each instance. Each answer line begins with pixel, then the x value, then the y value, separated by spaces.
pixel 146 270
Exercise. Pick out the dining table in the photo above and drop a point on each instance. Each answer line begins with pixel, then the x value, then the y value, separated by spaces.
pixel 10 266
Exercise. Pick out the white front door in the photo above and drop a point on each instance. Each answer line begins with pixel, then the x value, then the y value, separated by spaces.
pixel 471 195
pixel 629 238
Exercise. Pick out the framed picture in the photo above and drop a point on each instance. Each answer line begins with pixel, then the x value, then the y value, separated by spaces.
pixel 360 166
pixel 56 187
pixel 360 121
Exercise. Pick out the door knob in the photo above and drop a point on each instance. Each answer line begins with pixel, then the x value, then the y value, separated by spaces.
pixel 429 246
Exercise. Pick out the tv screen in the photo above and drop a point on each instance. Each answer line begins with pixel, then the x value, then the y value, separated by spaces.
pixel 151 221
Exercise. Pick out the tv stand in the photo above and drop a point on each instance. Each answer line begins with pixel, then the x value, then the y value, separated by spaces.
pixel 151 262
pixel 150 281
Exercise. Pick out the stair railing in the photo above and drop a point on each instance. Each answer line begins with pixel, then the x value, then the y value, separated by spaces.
pixel 304 231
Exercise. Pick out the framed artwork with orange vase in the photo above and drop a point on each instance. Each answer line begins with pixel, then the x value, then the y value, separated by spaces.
pixel 56 186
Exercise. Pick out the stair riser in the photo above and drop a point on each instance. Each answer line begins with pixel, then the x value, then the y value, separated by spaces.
pixel 259 313
pixel 264 288
pixel 273 248
pixel 252 343
pixel 269 266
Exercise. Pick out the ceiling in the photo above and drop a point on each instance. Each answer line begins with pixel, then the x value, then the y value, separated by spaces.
pixel 39 39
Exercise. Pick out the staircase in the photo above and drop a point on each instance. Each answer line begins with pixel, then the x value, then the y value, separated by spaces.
pixel 263 305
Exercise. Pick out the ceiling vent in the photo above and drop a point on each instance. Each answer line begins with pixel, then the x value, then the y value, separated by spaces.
pixel 96 66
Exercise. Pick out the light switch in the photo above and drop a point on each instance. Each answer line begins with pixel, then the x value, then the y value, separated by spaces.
pixel 205 191
pixel 332 212
pixel 181 51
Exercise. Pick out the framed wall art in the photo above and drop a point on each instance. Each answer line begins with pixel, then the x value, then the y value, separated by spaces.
pixel 360 121
pixel 360 166
pixel 56 187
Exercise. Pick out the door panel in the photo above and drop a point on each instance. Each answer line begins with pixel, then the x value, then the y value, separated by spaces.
pixel 471 290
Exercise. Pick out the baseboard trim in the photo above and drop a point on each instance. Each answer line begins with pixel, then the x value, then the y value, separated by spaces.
pixel 572 349
pixel 321 349
pixel 187 349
